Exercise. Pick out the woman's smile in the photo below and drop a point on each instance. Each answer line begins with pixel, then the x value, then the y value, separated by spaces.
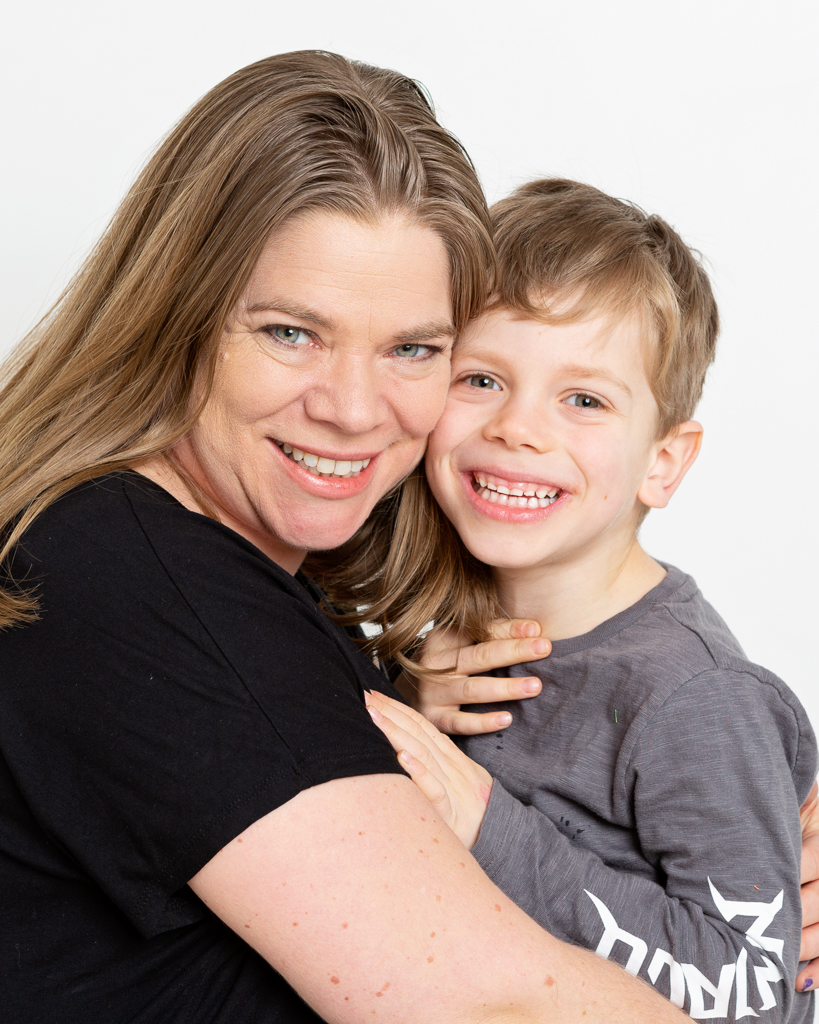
pixel 333 369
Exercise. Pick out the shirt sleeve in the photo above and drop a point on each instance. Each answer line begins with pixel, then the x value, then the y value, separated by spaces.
pixel 177 687
pixel 717 816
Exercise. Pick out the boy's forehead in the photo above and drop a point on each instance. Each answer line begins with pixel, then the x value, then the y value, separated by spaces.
pixel 498 327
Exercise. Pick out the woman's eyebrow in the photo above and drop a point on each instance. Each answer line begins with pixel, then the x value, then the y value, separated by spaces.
pixel 423 332
pixel 297 312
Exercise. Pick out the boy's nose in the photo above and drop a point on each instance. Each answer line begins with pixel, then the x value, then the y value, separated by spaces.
pixel 522 427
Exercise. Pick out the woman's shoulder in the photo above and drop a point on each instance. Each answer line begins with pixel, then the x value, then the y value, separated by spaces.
pixel 119 549
pixel 121 520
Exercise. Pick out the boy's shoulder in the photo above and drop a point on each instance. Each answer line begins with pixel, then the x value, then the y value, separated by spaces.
pixel 686 637
pixel 672 647
pixel 672 634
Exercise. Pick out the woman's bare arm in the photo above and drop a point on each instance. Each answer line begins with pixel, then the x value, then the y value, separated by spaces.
pixel 366 902
pixel 808 977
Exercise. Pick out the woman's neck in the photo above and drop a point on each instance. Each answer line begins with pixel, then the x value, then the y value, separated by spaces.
pixel 571 599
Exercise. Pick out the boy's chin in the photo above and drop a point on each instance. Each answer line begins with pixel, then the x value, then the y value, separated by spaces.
pixel 501 556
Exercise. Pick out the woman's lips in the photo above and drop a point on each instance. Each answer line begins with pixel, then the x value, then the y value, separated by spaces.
pixel 318 481
pixel 318 465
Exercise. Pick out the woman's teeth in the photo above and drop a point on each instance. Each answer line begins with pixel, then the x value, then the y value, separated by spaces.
pixel 323 467
pixel 513 497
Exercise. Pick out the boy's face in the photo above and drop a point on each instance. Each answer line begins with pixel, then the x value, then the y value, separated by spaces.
pixel 563 414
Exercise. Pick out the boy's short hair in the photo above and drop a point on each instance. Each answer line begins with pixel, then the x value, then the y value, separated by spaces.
pixel 566 241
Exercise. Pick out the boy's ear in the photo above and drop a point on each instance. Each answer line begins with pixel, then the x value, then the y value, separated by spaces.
pixel 673 457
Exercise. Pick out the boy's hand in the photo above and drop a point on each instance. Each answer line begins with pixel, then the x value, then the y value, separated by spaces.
pixel 439 697
pixel 456 786
pixel 809 816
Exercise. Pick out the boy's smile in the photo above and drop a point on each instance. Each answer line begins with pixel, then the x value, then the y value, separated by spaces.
pixel 548 436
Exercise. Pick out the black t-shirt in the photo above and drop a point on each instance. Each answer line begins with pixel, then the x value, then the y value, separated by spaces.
pixel 177 687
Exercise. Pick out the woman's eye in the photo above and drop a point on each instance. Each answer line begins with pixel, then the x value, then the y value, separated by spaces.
pixel 412 351
pixel 289 335
pixel 480 380
pixel 584 402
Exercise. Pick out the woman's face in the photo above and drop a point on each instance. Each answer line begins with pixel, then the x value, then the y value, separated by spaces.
pixel 333 368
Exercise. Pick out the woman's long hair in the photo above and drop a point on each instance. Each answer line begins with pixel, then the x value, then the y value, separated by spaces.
pixel 107 377
pixel 403 571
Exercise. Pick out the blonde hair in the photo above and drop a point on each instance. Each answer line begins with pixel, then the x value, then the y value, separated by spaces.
pixel 563 244
pixel 107 377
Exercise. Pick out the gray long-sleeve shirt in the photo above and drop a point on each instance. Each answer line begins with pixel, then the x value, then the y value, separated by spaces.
pixel 645 806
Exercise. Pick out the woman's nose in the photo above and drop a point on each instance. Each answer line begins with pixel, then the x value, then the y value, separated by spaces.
pixel 348 396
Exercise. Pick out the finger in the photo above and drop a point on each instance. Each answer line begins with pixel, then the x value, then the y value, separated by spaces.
pixel 808 977
pixel 514 629
pixel 410 722
pixel 810 908
pixel 413 723
pixel 810 859
pixel 468 723
pixel 481 658
pixel 399 712
pixel 401 740
pixel 446 693
pixel 429 785
pixel 489 689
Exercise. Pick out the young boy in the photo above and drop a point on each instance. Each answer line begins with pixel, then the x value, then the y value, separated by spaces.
pixel 645 804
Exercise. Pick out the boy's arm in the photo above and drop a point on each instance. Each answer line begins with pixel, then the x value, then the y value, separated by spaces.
pixel 716 813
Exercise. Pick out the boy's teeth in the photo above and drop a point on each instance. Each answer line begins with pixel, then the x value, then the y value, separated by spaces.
pixel 533 497
pixel 515 501
pixel 319 466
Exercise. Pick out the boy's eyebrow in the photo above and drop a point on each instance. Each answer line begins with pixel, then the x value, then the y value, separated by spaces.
pixel 423 332
pixel 577 371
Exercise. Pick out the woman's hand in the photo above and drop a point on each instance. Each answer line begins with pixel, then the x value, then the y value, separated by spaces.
pixel 439 697
pixel 809 816
pixel 454 784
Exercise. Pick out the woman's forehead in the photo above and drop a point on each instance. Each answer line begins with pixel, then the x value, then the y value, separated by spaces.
pixel 332 271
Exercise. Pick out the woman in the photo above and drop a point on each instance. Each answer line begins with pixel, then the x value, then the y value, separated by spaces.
pixel 182 834
pixel 252 357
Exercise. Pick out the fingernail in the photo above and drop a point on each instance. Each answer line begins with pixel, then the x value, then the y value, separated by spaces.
pixel 531 629
pixel 540 647
pixel 375 714
pixel 503 719
pixel 808 984
pixel 405 757
pixel 531 686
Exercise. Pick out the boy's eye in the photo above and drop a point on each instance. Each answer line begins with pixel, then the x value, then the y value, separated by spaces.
pixel 289 335
pixel 584 402
pixel 480 380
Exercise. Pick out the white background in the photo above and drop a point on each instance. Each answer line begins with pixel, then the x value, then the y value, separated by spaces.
pixel 705 112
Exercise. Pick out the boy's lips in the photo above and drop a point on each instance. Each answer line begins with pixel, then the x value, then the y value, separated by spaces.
pixel 511 499
pixel 514 493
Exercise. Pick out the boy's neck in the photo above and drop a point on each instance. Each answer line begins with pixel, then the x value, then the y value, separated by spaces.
pixel 573 598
